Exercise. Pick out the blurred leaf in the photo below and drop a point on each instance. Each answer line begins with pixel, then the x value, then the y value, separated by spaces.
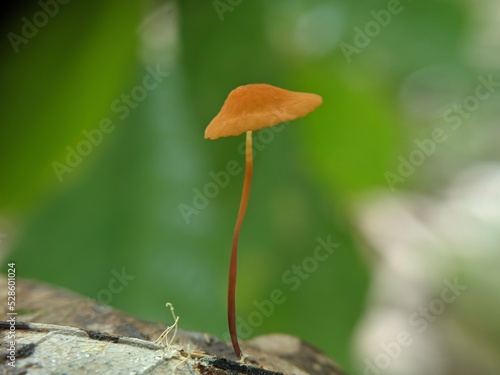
pixel 352 138
pixel 59 83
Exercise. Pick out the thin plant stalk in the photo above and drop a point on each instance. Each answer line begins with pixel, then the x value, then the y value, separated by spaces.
pixel 231 303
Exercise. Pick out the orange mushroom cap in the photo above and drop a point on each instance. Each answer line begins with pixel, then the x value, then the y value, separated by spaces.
pixel 257 106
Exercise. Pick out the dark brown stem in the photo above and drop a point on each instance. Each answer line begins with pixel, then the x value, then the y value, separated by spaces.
pixel 231 294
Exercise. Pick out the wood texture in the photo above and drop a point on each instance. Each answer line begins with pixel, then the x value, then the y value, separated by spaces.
pixel 58 331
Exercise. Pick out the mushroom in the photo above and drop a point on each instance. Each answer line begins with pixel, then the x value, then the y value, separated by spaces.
pixel 246 109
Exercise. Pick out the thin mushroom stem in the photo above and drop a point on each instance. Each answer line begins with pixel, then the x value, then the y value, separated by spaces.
pixel 231 304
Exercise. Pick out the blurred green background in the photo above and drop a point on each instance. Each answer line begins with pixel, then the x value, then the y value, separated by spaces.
pixel 116 205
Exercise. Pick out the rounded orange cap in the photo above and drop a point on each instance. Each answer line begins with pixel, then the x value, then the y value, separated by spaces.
pixel 257 106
